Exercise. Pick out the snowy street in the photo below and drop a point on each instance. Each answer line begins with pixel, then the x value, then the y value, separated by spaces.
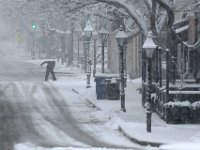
pixel 34 113
pixel 99 74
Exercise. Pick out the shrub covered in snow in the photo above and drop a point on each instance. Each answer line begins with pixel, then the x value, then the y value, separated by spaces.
pixel 182 112
pixel 196 105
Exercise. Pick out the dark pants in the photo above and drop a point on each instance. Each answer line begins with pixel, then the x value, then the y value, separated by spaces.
pixel 47 75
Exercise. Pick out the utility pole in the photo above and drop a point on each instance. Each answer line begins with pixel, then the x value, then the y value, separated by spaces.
pixel 43 36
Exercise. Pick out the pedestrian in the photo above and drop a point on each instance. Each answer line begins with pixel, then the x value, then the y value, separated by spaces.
pixel 49 69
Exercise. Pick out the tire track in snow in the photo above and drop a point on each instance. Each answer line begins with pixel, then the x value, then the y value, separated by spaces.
pixel 9 135
pixel 71 126
pixel 46 118
pixel 27 113
pixel 76 131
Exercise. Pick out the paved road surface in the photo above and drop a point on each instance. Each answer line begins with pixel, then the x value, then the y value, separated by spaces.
pixel 33 112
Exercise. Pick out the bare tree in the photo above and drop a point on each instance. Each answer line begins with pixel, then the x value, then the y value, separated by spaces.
pixel 146 14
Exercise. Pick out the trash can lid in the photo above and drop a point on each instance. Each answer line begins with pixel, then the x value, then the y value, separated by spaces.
pixel 106 75
pixel 113 80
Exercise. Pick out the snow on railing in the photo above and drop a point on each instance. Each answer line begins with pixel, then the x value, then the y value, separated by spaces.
pixel 194 105
pixel 178 103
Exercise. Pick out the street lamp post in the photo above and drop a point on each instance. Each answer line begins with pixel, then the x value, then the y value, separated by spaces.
pixel 63 47
pixel 33 48
pixel 84 58
pixel 88 32
pixel 121 38
pixel 149 47
pixel 95 36
pixel 104 34
pixel 78 30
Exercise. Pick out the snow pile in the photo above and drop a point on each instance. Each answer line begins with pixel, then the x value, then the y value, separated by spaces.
pixel 196 137
pixel 196 105
pixel 114 123
pixel 181 146
pixel 29 146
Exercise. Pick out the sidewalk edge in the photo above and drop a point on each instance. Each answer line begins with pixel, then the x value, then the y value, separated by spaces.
pixel 140 142
pixel 133 139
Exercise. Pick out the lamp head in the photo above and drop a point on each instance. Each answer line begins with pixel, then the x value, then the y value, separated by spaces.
pixel 121 37
pixel 88 28
pixel 104 33
pixel 149 46
pixel 78 28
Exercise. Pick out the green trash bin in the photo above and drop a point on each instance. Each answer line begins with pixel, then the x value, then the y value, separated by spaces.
pixel 101 87
pixel 107 86
pixel 113 89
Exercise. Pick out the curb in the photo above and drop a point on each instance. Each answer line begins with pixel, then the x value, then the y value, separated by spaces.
pixel 64 73
pixel 135 140
pixel 92 104
pixel 75 91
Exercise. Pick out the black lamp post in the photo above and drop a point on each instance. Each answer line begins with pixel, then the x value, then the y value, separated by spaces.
pixel 88 32
pixel 104 34
pixel 122 42
pixel 149 47
pixel 95 36
pixel 84 57
pixel 78 31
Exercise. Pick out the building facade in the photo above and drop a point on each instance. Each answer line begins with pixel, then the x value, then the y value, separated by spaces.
pixel 133 55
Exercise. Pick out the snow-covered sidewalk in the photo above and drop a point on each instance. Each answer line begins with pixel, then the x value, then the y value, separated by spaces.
pixel 133 122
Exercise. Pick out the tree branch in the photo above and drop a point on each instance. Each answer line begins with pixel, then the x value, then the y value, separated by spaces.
pixel 133 12
pixel 148 4
pixel 169 10
pixel 153 17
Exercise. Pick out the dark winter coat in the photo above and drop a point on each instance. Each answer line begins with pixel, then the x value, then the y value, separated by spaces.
pixel 50 65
